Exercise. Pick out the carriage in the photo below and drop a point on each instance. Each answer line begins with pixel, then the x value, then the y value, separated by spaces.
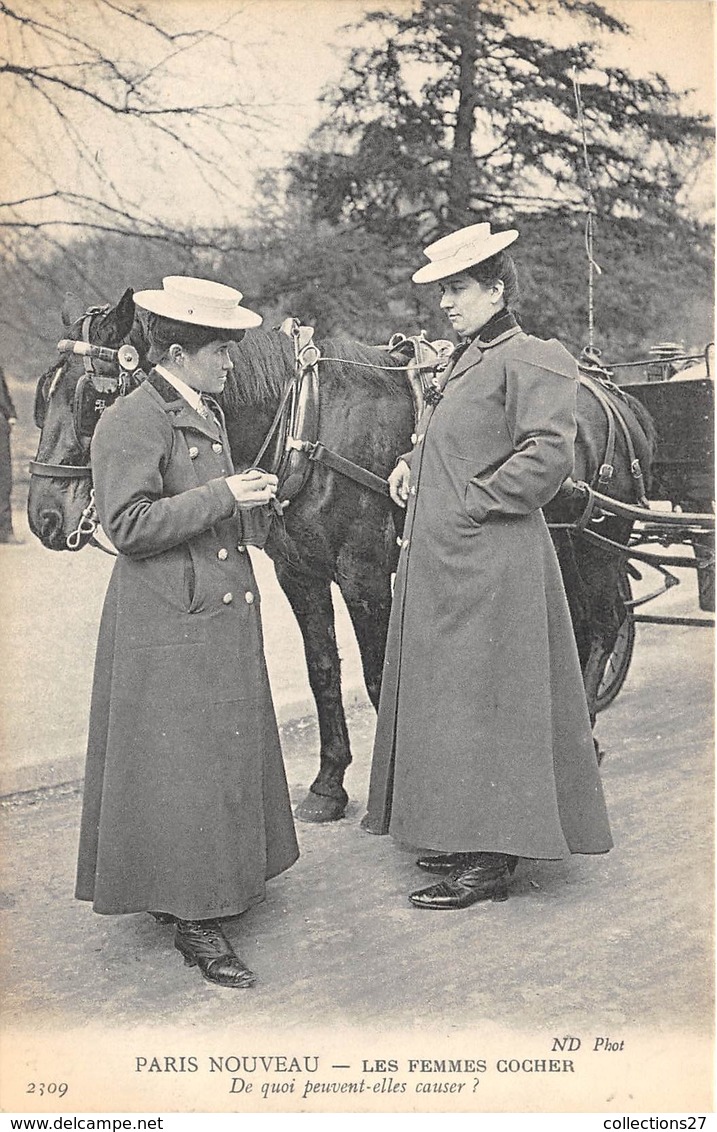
pixel 331 419
pixel 677 389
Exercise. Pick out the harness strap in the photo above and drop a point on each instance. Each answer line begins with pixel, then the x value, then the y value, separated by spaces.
pixel 615 416
pixel 423 360
pixel 607 468
pixel 290 389
pixel 320 454
pixel 60 471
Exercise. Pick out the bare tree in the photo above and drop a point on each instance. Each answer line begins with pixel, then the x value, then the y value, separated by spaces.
pixel 111 108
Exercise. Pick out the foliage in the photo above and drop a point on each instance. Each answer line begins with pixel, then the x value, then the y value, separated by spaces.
pixel 655 285
pixel 460 110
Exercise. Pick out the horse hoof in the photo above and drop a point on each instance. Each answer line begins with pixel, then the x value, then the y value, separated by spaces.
pixel 319 808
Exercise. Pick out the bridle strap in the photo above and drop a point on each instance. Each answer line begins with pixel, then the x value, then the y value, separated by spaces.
pixel 90 376
pixel 60 471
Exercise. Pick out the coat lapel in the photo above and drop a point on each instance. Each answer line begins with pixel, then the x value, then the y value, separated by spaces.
pixel 473 354
pixel 180 411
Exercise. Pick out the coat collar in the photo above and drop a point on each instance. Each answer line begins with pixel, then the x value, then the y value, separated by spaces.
pixel 180 412
pixel 473 352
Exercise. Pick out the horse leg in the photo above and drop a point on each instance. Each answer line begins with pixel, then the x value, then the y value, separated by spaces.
pixel 369 610
pixel 581 588
pixel 601 573
pixel 310 599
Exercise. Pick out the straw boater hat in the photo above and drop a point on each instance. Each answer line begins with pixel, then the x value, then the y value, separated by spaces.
pixel 201 302
pixel 461 250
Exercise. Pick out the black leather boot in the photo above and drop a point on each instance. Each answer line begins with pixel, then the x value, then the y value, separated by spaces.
pixel 204 945
pixel 463 888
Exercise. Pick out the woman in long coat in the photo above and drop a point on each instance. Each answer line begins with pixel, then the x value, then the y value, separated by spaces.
pixel 483 750
pixel 186 812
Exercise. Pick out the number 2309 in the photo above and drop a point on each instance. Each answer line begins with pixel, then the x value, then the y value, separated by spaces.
pixel 52 1088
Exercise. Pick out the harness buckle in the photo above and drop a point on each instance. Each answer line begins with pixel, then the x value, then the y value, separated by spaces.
pixel 607 471
pixel 308 355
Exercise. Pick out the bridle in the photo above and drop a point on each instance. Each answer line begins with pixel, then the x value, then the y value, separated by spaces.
pixel 108 374
pixel 95 390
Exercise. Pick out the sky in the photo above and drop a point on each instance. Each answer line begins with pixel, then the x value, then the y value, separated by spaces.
pixel 274 59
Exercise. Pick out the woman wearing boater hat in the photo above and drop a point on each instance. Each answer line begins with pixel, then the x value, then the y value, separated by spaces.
pixel 186 812
pixel 483 750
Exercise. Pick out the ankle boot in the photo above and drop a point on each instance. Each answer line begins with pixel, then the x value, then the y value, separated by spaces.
pixel 466 887
pixel 204 945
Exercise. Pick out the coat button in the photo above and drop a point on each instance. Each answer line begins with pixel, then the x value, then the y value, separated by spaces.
pixel 399 541
pixel 228 599
pixel 249 597
pixel 404 544
pixel 193 453
pixel 223 554
pixel 216 446
pixel 413 491
pixel 241 548
pixel 414 438
pixel 420 437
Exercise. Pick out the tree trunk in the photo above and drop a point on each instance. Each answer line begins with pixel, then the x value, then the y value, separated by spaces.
pixel 462 160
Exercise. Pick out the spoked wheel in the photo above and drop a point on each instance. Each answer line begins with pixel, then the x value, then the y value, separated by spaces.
pixel 617 664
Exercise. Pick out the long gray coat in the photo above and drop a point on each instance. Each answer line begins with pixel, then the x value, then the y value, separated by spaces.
pixel 483 739
pixel 186 808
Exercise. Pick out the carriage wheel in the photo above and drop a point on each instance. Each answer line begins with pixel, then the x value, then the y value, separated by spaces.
pixel 618 663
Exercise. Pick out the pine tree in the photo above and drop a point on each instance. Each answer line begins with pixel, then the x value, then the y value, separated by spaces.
pixel 461 110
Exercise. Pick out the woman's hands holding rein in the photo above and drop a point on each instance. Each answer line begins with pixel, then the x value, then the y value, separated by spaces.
pixel 398 483
pixel 252 488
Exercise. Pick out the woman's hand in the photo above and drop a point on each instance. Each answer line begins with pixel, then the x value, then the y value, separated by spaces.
pixel 252 488
pixel 398 483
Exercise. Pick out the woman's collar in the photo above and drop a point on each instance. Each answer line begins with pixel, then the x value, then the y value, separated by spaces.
pixel 496 325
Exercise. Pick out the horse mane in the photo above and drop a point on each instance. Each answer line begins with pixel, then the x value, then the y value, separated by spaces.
pixel 264 360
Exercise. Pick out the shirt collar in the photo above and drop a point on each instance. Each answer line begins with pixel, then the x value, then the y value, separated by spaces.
pixel 190 395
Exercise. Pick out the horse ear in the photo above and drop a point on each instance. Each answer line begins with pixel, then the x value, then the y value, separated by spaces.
pixel 72 309
pixel 124 312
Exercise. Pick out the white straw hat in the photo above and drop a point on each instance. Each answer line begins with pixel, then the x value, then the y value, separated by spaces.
pixel 201 302
pixel 462 249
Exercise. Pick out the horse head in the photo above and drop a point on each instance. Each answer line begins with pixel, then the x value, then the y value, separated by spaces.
pixel 68 399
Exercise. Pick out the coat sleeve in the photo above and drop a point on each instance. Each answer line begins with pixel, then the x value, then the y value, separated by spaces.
pixel 541 391
pixel 129 454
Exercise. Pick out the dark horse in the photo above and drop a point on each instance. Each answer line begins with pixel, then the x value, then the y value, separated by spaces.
pixel 336 530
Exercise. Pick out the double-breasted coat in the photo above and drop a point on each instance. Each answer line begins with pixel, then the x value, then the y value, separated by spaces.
pixel 186 808
pixel 483 740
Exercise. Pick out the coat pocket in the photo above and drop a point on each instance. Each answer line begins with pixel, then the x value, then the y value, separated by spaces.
pixel 170 576
pixel 190 580
pixel 463 473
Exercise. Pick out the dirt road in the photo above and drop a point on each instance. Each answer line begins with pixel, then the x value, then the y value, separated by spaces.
pixel 616 947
